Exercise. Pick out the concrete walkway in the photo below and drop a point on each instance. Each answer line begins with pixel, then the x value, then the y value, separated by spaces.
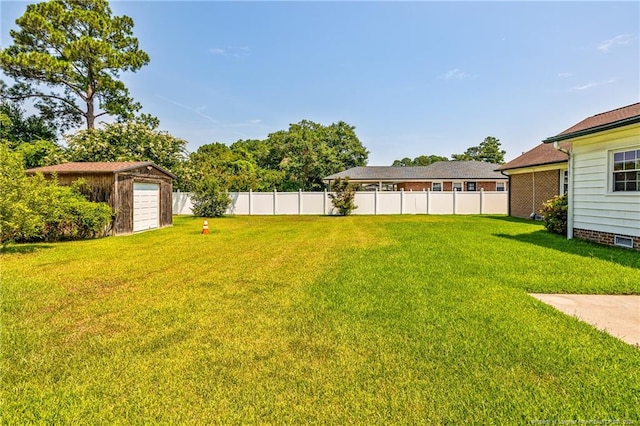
pixel 617 315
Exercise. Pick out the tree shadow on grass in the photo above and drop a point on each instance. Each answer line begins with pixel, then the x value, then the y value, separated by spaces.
pixel 24 248
pixel 543 238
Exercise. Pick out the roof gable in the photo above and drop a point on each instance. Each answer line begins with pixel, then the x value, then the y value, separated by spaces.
pixel 540 155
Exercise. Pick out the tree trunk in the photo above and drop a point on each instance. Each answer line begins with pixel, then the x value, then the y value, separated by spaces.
pixel 90 114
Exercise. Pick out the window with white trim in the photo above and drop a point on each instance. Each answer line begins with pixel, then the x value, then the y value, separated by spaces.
pixel 564 184
pixel 626 171
pixel 436 186
pixel 500 186
pixel 457 186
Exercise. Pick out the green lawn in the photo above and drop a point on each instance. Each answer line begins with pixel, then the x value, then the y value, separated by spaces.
pixel 356 320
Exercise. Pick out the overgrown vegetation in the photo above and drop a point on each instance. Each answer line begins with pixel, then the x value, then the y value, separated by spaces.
pixel 343 196
pixel 366 320
pixel 36 209
pixel 554 214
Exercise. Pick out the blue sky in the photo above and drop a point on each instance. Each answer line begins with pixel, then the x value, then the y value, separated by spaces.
pixel 413 77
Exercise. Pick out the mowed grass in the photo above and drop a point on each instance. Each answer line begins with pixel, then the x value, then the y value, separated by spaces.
pixel 281 320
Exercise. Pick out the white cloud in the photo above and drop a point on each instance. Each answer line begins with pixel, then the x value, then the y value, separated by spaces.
pixel 593 84
pixel 620 39
pixel 456 74
pixel 231 51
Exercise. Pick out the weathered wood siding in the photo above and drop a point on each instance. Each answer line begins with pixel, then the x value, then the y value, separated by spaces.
pixel 593 204
pixel 124 195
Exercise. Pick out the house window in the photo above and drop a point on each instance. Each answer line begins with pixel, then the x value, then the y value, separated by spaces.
pixel 457 186
pixel 564 183
pixel 471 186
pixel 436 186
pixel 626 171
pixel 500 186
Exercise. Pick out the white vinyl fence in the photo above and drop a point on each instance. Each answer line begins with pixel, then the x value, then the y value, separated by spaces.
pixel 368 202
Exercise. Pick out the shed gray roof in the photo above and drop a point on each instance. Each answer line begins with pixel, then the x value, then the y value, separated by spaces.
pixel 476 170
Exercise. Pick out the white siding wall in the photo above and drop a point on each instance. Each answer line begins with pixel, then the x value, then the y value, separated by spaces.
pixel 594 204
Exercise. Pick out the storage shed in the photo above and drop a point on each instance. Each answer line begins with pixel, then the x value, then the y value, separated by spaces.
pixel 138 192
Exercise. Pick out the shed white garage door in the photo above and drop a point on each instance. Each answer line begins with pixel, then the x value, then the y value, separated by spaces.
pixel 146 206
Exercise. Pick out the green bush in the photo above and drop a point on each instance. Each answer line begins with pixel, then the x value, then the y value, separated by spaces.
pixel 343 199
pixel 210 199
pixel 37 209
pixel 65 213
pixel 554 214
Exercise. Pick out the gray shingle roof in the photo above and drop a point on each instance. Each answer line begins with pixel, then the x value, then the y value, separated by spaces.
pixel 475 170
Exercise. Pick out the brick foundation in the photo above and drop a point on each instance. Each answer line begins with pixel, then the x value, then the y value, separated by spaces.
pixel 602 237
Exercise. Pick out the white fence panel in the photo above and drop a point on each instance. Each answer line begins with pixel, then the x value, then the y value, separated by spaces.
pixel 467 202
pixel 389 202
pixel 181 202
pixel 367 202
pixel 495 203
pixel 441 202
pixel 315 203
pixel 262 203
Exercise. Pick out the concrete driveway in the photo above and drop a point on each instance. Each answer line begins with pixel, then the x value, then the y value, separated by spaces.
pixel 617 315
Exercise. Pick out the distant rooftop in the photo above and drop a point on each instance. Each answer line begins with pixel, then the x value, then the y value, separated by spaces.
pixel 476 170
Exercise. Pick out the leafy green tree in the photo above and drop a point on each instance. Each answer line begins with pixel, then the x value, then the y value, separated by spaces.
pixel 309 151
pixel 31 136
pixel 422 160
pixel 343 197
pixel 488 151
pixel 18 128
pixel 77 48
pixel 131 141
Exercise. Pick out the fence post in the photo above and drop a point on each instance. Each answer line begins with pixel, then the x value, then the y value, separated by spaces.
pixel 401 200
pixel 481 200
pixel 324 203
pixel 428 201
pixel 250 197
pixel 454 201
pixel 375 202
pixel 275 202
pixel 299 201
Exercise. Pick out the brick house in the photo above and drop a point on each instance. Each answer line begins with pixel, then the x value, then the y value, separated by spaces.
pixel 535 177
pixel 439 176
pixel 604 177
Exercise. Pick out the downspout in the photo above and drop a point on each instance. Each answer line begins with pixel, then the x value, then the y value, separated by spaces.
pixel 556 145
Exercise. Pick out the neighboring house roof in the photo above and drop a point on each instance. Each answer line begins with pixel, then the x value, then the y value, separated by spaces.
pixel 542 154
pixel 97 167
pixel 476 170
pixel 604 121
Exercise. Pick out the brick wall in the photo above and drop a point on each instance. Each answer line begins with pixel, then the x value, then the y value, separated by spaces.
pixel 522 200
pixel 448 186
pixel 602 237
pixel 414 186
